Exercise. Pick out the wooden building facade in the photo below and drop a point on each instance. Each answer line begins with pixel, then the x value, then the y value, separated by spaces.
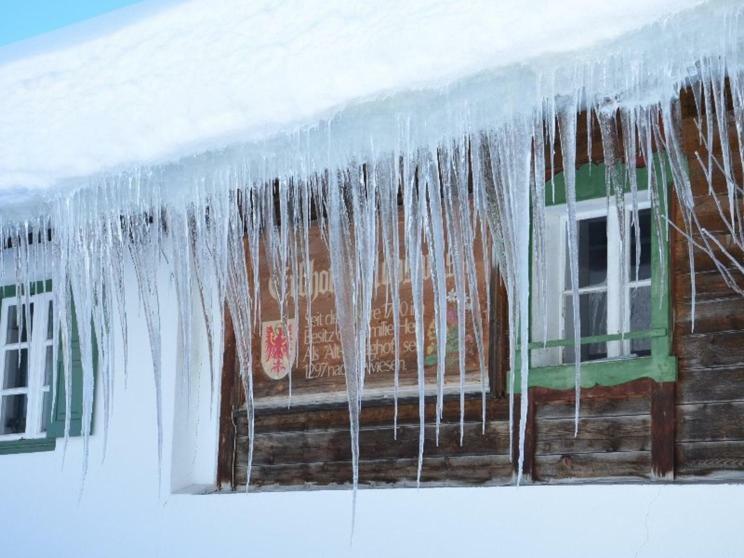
pixel 682 421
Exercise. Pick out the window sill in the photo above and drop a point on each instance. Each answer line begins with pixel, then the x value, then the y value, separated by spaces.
pixel 28 445
pixel 602 373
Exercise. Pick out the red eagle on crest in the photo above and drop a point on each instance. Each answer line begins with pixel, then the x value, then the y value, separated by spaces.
pixel 277 348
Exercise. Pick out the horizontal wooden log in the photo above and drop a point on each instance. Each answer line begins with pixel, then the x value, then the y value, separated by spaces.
pixel 594 466
pixel 699 181
pixel 592 407
pixel 621 392
pixel 581 445
pixel 694 140
pixel 716 385
pixel 696 459
pixel 709 285
pixel 711 350
pixel 376 443
pixel 710 421
pixel 707 213
pixel 600 428
pixel 436 471
pixel 711 316
pixel 378 413
pixel 595 435
pixel 703 262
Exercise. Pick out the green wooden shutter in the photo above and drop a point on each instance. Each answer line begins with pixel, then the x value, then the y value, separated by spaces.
pixel 56 427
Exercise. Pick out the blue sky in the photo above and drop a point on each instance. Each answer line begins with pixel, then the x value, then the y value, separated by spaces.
pixel 21 19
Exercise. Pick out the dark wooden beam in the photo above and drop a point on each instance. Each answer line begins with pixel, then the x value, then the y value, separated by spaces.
pixel 662 430
pixel 228 391
pixel 498 337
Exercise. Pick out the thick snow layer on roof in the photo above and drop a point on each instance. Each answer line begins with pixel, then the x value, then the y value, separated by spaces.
pixel 199 75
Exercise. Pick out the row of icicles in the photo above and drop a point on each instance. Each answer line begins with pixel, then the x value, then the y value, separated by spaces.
pixel 487 188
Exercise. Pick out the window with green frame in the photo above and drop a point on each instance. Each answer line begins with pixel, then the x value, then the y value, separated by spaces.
pixel 30 421
pixel 624 293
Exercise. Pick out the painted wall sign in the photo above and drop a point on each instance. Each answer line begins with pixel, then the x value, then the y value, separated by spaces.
pixel 315 360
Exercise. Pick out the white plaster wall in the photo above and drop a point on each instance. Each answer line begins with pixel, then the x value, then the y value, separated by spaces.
pixel 46 510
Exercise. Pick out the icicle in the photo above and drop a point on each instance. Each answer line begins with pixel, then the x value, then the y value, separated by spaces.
pixel 343 266
pixel 538 219
pixel 628 122
pixel 463 167
pixel 520 183
pixel 414 212
pixel 435 240
pixel 568 149
pixel 487 248
pixel 457 247
pixel 145 252
pixel 668 139
pixel 387 180
pixel 178 230
pixel 307 265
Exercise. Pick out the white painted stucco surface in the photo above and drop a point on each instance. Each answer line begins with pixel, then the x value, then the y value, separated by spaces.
pixel 121 513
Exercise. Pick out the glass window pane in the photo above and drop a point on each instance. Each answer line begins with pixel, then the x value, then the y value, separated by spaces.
pixel 644 270
pixel 46 410
pixel 593 308
pixel 13 416
pixel 592 253
pixel 640 319
pixel 11 335
pixel 48 363
pixel 50 322
pixel 16 369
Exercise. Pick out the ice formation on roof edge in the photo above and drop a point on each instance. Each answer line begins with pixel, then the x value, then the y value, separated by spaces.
pixel 464 177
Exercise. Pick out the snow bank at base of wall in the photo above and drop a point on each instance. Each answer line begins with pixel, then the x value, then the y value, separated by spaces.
pixel 124 520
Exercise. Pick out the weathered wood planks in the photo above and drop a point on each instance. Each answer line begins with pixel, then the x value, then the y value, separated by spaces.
pixel 709 421
pixel 689 430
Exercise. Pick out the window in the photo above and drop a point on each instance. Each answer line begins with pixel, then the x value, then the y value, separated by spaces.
pixel 623 294
pixel 27 337
pixel 30 420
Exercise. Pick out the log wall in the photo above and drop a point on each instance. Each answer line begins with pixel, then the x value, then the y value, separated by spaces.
pixel 709 441
pixel 688 430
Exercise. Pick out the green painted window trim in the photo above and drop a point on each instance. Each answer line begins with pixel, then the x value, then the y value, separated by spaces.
pixel 661 366
pixel 605 373
pixel 590 183
pixel 27 445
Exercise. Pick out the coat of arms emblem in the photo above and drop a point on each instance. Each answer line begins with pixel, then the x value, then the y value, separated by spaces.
pixel 278 347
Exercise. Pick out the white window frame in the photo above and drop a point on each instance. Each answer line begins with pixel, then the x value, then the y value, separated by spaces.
pixel 36 345
pixel 556 249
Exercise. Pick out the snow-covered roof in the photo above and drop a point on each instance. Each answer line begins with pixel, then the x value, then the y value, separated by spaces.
pixel 177 78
